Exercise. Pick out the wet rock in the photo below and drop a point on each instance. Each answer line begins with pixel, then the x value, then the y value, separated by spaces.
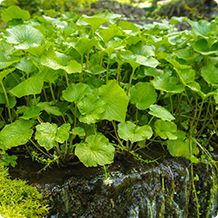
pixel 133 190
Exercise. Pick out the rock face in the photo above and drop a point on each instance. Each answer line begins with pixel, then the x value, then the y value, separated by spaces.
pixel 133 190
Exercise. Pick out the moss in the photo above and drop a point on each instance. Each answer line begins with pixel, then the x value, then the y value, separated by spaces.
pixel 18 199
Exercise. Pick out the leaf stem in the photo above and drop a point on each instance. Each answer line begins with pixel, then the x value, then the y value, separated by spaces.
pixel 7 101
pixel 52 92
pixel 131 78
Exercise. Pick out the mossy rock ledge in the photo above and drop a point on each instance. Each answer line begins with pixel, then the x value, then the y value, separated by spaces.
pixel 133 190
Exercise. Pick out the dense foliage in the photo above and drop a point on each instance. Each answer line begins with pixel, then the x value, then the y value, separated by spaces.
pixel 88 86
pixel 18 199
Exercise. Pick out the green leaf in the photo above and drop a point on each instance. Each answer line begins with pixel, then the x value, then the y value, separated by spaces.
pixel 91 108
pixel 31 112
pixel 14 12
pixel 93 21
pixel 56 60
pixel 136 60
pixel 6 60
pixel 50 108
pixel 63 133
pixel 131 132
pixel 26 65
pixel 5 72
pixel 24 36
pixel 30 86
pixel 96 150
pixel 168 83
pixel 166 129
pixel 78 131
pixel 203 47
pixel 116 101
pixel 210 74
pixel 46 135
pixel 129 27
pixel 142 49
pixel 15 134
pixel 108 33
pixel 181 147
pixel 75 92
pixel 161 112
pixel 202 27
pixel 143 95
pixel 84 44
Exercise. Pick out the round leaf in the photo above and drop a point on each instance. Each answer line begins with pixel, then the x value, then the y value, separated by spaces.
pixel 15 134
pixel 46 135
pixel 165 129
pixel 143 95
pixel 160 112
pixel 210 74
pixel 116 101
pixel 24 36
pixel 96 150
pixel 131 132
pixel 14 12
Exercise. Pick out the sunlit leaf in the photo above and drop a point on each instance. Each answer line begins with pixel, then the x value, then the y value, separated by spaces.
pixel 30 86
pixel 168 83
pixel 96 150
pixel 78 131
pixel 91 108
pixel 26 65
pixel 210 74
pixel 15 134
pixel 161 112
pixel 131 132
pixel 94 21
pixel 75 92
pixel 46 135
pixel 116 101
pixel 143 95
pixel 14 12
pixel 50 108
pixel 182 147
pixel 57 60
pixel 31 112
pixel 63 133
pixel 24 36
pixel 165 129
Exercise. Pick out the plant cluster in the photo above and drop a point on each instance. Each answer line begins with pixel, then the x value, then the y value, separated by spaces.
pixel 88 86
pixel 18 199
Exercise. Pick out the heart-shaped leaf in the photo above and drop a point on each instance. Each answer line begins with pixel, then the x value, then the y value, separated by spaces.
pixel 96 150
pixel 131 132
pixel 91 108
pixel 75 92
pixel 182 147
pixel 116 101
pixel 165 129
pixel 15 134
pixel 143 95
pixel 46 135
pixel 57 60
pixel 14 12
pixel 210 74
pixel 24 36
pixel 63 133
pixel 30 86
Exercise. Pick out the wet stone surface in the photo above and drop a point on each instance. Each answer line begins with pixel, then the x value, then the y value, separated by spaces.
pixel 133 190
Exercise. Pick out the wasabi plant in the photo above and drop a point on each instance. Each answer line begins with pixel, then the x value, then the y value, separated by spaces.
pixel 85 87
